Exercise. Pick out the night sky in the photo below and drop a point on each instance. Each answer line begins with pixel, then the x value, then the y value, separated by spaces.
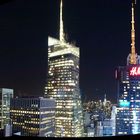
pixel 100 28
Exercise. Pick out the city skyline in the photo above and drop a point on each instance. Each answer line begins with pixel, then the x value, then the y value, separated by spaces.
pixel 101 29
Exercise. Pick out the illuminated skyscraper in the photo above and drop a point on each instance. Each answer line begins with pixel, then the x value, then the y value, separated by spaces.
pixel 33 116
pixel 128 111
pixel 63 85
pixel 5 96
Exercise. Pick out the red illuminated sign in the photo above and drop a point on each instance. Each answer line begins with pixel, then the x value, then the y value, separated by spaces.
pixel 135 71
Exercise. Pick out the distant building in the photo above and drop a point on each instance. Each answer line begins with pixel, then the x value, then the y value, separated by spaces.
pixel 99 107
pixel 100 121
pixel 99 129
pixel 128 77
pixel 104 128
pixel 107 127
pixel 87 124
pixel 90 131
pixel 8 130
pixel 5 96
pixel 113 119
pixel 2 133
pixel 33 116
pixel 87 119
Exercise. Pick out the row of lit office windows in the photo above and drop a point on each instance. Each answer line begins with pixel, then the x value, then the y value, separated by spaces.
pixel 27 122
pixel 61 63
pixel 122 132
pixel 58 90
pixel 61 85
pixel 61 93
pixel 60 70
pixel 62 60
pixel 63 97
pixel 65 103
pixel 24 123
pixel 21 111
pixel 68 81
pixel 64 84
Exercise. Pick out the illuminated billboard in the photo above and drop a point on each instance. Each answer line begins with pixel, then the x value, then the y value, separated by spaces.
pixel 124 103
pixel 135 71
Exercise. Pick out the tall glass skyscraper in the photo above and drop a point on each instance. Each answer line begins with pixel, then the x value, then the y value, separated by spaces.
pixel 128 112
pixel 5 96
pixel 128 77
pixel 63 85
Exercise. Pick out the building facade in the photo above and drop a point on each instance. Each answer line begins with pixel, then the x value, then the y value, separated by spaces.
pixel 33 116
pixel 128 111
pixel 99 122
pixel 104 128
pixel 107 126
pixel 63 85
pixel 5 96
pixel 128 77
pixel 113 119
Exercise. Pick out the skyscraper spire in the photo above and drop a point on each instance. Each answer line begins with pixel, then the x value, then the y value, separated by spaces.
pixel 133 59
pixel 61 32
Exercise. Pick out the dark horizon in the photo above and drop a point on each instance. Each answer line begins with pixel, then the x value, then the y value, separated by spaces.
pixel 101 29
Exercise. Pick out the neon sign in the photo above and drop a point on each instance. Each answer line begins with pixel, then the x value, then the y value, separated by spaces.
pixel 135 71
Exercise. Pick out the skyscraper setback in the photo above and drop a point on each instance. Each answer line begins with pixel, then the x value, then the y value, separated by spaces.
pixel 63 85
pixel 128 77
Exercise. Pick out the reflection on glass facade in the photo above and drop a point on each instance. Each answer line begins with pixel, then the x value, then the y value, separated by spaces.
pixel 63 85
pixel 128 112
pixel 33 116
pixel 5 96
